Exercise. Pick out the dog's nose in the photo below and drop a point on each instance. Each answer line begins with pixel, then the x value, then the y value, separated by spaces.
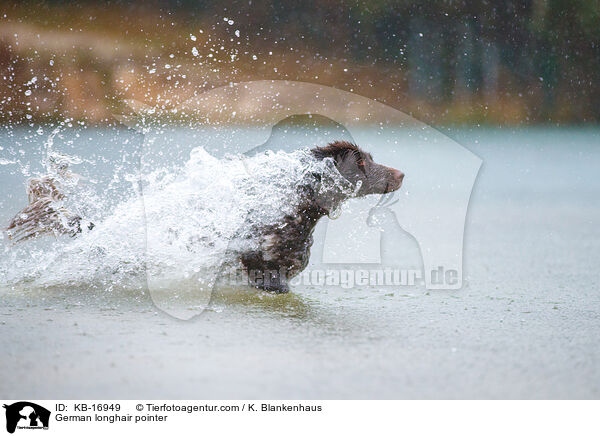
pixel 396 179
pixel 398 176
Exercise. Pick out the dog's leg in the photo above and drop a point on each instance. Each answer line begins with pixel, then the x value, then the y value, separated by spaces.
pixel 264 275
pixel 269 280
pixel 274 281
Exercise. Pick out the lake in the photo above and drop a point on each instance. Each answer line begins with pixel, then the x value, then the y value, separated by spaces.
pixel 524 324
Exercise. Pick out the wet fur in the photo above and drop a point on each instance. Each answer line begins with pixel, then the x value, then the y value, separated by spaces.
pixel 44 215
pixel 284 249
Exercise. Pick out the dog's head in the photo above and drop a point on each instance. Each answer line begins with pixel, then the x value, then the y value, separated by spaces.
pixel 358 167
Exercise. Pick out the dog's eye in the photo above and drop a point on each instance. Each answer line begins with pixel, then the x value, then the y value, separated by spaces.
pixel 360 162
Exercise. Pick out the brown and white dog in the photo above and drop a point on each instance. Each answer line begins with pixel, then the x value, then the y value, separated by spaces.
pixel 284 249
pixel 278 251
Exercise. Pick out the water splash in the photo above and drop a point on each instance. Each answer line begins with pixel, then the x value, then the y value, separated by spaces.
pixel 180 231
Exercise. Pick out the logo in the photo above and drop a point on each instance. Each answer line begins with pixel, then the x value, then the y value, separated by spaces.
pixel 26 415
pixel 427 218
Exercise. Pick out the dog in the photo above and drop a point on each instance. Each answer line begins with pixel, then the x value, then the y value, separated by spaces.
pixel 278 251
pixel 284 248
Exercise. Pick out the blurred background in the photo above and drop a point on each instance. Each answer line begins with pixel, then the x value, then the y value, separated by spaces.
pixel 444 62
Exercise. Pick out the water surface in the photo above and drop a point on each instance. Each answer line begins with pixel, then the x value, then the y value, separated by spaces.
pixel 524 325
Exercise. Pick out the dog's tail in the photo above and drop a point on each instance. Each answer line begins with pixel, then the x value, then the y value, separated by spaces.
pixel 45 214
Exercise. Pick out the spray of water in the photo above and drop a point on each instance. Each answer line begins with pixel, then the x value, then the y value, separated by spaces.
pixel 181 230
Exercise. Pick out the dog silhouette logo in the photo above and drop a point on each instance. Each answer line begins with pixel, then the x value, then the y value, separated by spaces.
pixel 421 228
pixel 26 415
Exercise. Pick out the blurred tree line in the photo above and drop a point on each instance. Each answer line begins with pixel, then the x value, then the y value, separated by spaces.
pixel 537 58
pixel 451 49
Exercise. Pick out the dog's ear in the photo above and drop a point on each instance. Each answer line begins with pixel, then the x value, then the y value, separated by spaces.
pixel 336 150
